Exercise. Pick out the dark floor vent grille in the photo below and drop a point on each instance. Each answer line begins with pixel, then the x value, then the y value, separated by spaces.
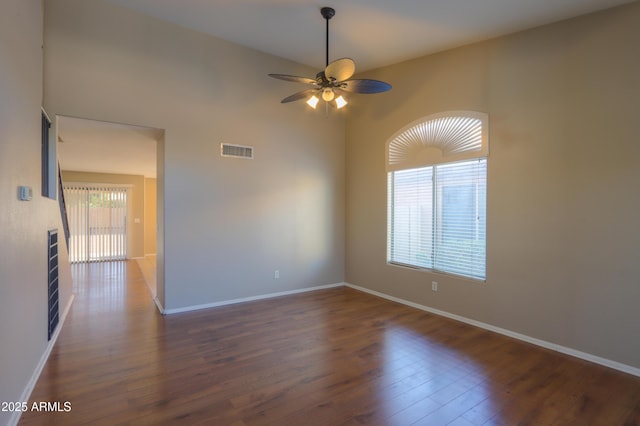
pixel 53 281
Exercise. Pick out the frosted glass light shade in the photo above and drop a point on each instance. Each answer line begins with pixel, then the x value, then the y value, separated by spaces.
pixel 313 101
pixel 328 95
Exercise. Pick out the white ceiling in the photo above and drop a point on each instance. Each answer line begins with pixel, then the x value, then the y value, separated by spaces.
pixel 101 147
pixel 374 33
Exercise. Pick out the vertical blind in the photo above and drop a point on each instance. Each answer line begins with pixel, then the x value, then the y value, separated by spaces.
pixel 437 217
pixel 98 223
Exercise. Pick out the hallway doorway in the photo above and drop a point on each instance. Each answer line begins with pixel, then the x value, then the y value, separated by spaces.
pixel 118 166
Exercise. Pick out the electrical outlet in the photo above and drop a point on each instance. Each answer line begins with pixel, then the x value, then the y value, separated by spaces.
pixel 434 286
pixel 276 274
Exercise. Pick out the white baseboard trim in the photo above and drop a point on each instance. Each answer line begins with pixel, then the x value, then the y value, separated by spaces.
pixel 26 394
pixel 538 342
pixel 250 299
pixel 159 305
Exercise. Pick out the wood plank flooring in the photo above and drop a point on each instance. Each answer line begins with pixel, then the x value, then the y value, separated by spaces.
pixel 330 357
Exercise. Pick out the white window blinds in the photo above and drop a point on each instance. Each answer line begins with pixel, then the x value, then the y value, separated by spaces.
pixel 97 222
pixel 437 213
pixel 439 138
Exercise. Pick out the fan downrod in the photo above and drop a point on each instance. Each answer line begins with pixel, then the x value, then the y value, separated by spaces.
pixel 327 13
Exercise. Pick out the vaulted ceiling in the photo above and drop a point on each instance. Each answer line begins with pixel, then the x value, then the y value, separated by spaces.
pixel 374 33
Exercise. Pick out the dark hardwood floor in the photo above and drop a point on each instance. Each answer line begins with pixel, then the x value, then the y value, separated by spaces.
pixel 331 357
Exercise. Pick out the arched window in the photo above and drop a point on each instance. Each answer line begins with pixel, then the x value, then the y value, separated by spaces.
pixel 437 186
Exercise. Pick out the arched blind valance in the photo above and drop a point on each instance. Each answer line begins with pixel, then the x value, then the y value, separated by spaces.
pixel 439 138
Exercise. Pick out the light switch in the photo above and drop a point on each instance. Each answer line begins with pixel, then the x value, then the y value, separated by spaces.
pixel 25 193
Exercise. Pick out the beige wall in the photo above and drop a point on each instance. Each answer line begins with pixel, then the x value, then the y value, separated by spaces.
pixel 563 178
pixel 228 223
pixel 135 204
pixel 23 224
pixel 150 216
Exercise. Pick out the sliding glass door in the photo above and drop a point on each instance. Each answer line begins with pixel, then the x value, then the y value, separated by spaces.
pixel 98 223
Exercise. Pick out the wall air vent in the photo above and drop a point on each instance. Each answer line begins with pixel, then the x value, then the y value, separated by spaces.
pixel 236 151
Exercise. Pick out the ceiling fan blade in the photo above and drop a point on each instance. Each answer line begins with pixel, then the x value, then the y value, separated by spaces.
pixel 299 95
pixel 293 78
pixel 365 86
pixel 340 70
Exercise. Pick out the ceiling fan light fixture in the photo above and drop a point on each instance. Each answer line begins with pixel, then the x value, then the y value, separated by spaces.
pixel 333 80
pixel 313 101
pixel 340 102
pixel 328 95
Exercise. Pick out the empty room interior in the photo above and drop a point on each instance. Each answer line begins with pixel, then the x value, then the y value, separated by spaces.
pixel 247 213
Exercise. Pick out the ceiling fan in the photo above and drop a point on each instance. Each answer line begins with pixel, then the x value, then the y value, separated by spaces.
pixel 334 81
